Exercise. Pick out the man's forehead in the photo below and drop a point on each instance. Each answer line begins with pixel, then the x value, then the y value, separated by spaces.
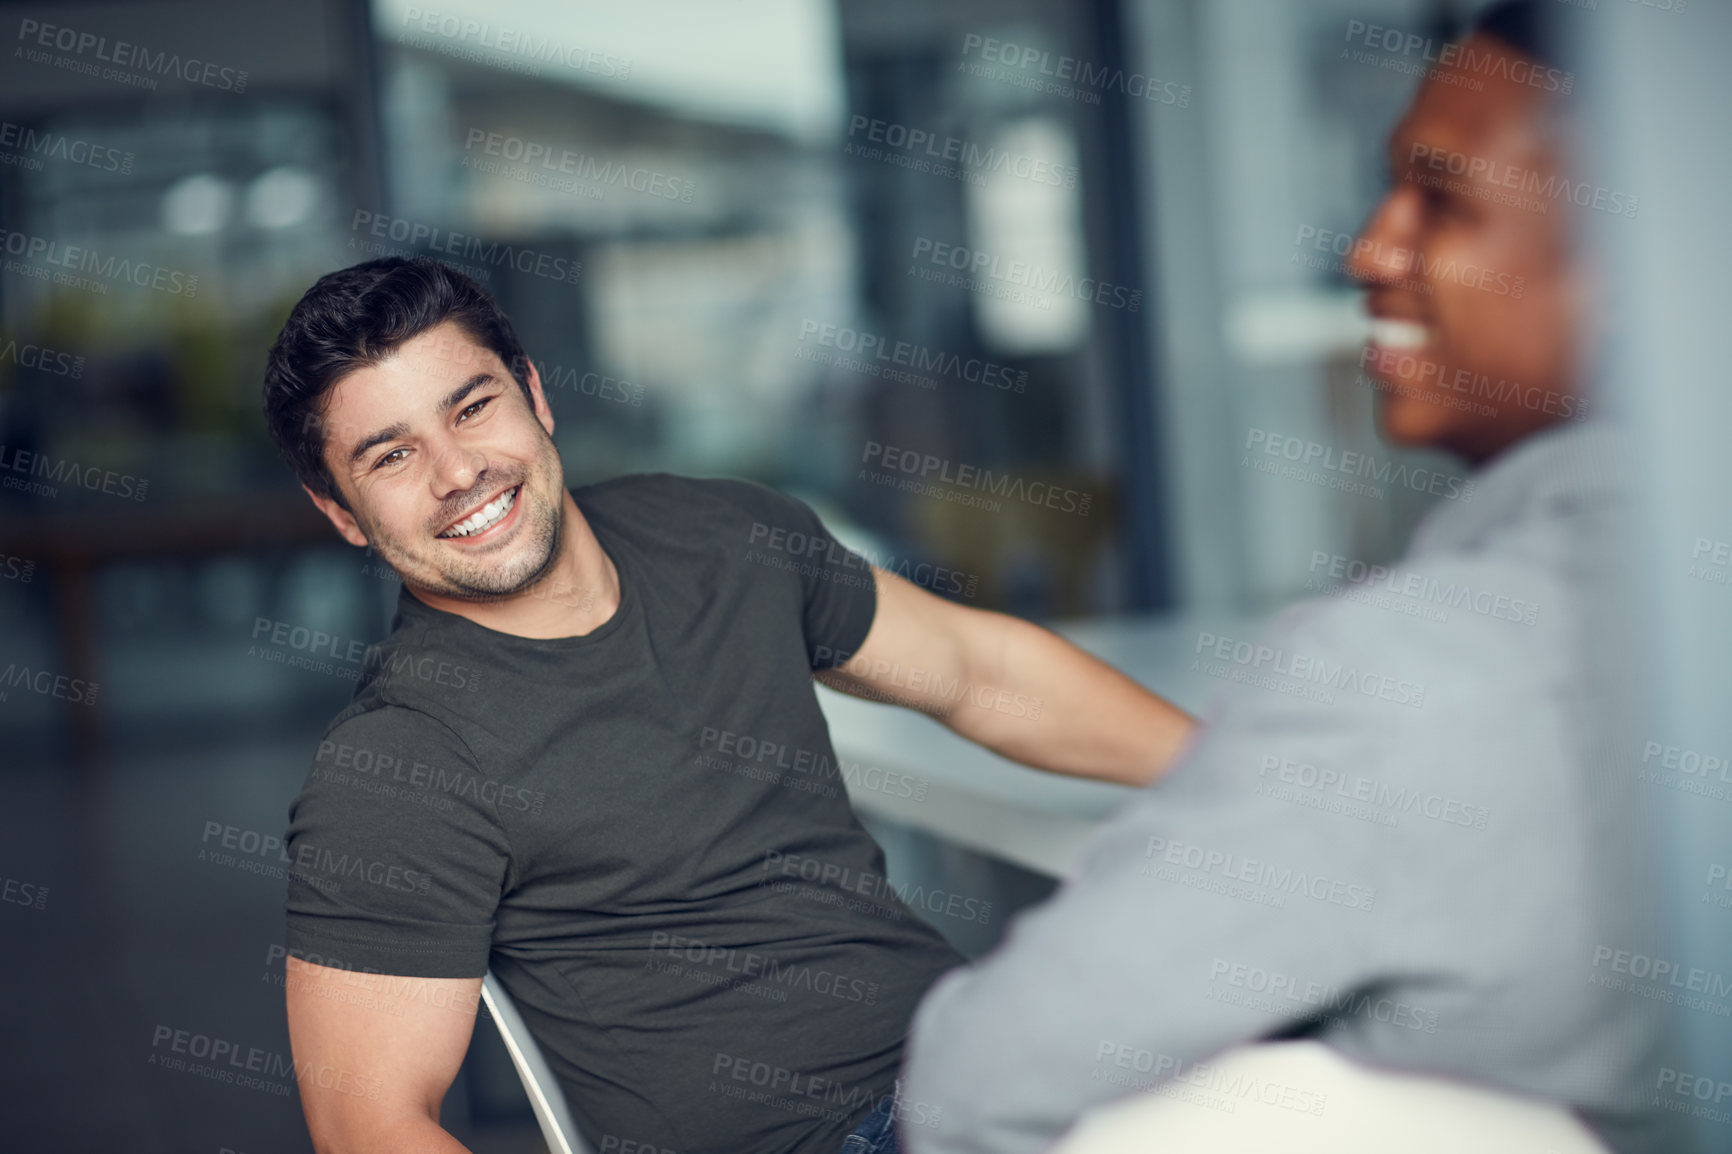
pixel 1452 112
pixel 450 343
pixel 403 385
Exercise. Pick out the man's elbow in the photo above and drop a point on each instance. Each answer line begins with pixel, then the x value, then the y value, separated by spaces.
pixel 342 1131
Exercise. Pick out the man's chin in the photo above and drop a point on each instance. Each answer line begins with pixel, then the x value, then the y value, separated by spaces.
pixel 496 580
pixel 1412 423
pixel 508 579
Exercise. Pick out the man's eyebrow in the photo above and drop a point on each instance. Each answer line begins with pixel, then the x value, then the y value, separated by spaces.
pixel 456 395
pixel 388 433
pixel 400 429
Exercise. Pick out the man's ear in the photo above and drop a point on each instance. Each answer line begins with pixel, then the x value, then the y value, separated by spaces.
pixel 542 412
pixel 340 517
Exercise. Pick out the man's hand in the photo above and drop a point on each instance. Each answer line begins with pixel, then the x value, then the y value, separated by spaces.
pixel 1020 690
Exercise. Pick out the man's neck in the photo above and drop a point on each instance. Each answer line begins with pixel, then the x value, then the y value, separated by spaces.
pixel 577 594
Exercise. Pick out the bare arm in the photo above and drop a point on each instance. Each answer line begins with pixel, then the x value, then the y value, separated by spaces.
pixel 375 1054
pixel 1012 686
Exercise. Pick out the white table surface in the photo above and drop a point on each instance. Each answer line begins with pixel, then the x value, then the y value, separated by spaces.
pixel 982 801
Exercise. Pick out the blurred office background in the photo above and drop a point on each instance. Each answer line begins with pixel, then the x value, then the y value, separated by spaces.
pixel 745 197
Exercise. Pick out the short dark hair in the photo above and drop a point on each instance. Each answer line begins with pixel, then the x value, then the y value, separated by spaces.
pixel 1531 28
pixel 354 318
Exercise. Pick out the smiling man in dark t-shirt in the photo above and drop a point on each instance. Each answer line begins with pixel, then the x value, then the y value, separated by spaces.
pixel 590 757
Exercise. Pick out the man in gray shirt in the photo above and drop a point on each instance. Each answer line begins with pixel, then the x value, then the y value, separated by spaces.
pixel 590 759
pixel 1388 832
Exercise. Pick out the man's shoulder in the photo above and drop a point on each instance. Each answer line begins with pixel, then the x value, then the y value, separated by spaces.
pixel 418 667
pixel 675 490
pixel 691 508
pixel 382 721
pixel 377 754
pixel 1564 480
pixel 1450 674
pixel 1424 653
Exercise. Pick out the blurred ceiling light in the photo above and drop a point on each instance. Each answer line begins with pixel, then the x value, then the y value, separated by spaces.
pixel 196 205
pixel 1020 226
pixel 282 197
pixel 773 64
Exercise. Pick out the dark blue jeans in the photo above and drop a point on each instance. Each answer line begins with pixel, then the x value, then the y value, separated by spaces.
pixel 877 1134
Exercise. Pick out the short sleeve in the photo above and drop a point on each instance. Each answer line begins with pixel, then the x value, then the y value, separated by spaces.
pixel 838 594
pixel 396 861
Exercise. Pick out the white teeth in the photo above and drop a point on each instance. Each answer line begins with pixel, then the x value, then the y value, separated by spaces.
pixel 485 516
pixel 1399 334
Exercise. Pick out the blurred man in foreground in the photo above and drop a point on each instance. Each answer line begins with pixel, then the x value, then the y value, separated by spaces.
pixel 1407 865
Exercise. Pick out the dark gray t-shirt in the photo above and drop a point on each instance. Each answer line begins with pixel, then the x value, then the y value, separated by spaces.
pixel 644 831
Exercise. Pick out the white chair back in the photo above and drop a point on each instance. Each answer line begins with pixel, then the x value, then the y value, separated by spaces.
pixel 545 1096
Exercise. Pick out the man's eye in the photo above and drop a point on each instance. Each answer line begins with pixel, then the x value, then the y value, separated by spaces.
pixel 475 408
pixel 1440 202
pixel 390 458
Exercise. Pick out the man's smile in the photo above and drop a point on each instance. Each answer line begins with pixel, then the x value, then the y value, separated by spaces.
pixel 1399 335
pixel 489 516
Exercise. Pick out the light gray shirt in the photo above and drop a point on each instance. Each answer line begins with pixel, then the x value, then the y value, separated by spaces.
pixel 1389 833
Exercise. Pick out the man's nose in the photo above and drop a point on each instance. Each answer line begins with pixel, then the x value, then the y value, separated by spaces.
pixel 458 469
pixel 1379 254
